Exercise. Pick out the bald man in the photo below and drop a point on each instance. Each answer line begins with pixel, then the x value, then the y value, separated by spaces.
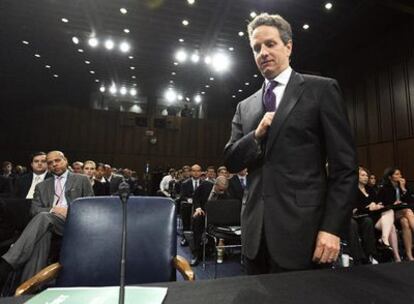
pixel 49 209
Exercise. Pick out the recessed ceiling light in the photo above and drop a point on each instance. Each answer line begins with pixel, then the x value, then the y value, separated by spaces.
pixel 133 77
pixel 185 22
pixel 306 26
pixel 55 75
pixel 233 96
pixel 132 67
pixel 131 57
pixel 109 44
pixel 87 62
pixel 181 56
pixel 180 97
pixel 207 86
pixel 202 93
pixel 220 62
pixel 328 5
pixel 96 80
pixel 123 10
pixel 187 98
pixel 93 42
pixel 191 2
pixel 211 78
pixel 124 47
pixel 175 63
pixel 80 50
pixel 207 60
pixel 133 92
pixel 113 89
pixel 197 98
pixel 247 84
pixel 253 14
pixel 195 58
pixel 134 84
pixel 181 40
pixel 171 81
pixel 92 72
pixel 25 42
pixel 123 90
pixel 241 34
pixel 102 89
pixel 173 73
pixel 37 55
pixel 75 40
pixel 231 49
pixel 255 75
pixel 64 20
pixel 126 31
pixel 47 66
pixel 240 90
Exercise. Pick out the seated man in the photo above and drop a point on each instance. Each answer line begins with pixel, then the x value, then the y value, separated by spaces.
pixel 207 191
pixel 25 184
pixel 49 209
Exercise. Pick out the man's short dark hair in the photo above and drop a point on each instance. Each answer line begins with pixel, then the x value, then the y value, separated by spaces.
pixel 36 154
pixel 276 21
pixel 211 168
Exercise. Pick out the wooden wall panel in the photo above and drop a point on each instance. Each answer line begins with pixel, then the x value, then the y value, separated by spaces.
pixel 400 102
pixel 360 108
pixel 372 110
pixel 385 105
pixel 382 156
pixel 405 157
pixel 362 153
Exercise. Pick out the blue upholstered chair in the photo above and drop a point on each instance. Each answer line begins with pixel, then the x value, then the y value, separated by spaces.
pixel 91 246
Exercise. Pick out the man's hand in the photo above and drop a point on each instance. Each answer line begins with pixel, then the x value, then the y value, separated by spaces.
pixel 264 125
pixel 60 211
pixel 327 248
pixel 198 212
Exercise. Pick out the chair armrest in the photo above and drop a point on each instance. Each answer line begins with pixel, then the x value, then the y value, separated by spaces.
pixel 182 265
pixel 43 276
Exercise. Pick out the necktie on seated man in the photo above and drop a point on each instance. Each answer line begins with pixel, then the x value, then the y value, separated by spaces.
pixel 58 191
pixel 269 98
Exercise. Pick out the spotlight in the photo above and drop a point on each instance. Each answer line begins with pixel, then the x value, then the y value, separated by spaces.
pixel 195 58
pixel 170 95
pixel 253 14
pixel 181 56
pixel 80 50
pixel 47 66
pixel 328 5
pixel 75 40
pixel 64 20
pixel 233 96
pixel 202 93
pixel 173 73
pixel 240 90
pixel 255 75
pixel 92 72
pixel 131 57
pixel 37 55
pixel 124 47
pixel 123 10
pixel 197 99
pixel 132 67
pixel 55 75
pixel 133 77
pixel 96 80
pixel 181 40
pixel 191 2
pixel 175 63
pixel 87 62
pixel 207 86
pixel 93 42
pixel 180 97
pixel 126 31
pixel 306 26
pixel 247 84
pixel 25 42
pixel 113 89
pixel 133 92
pixel 123 90
pixel 102 89
pixel 231 49
pixel 241 34
pixel 185 22
pixel 109 44
pixel 207 60
pixel 221 62
pixel 211 78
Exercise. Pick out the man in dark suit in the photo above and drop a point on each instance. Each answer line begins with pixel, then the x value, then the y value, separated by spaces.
pixel 284 134
pixel 237 184
pixel 5 186
pixel 112 179
pixel 205 192
pixel 186 198
pixel 25 184
pixel 49 209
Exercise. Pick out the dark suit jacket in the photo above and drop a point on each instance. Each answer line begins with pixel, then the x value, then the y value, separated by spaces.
pixel 114 184
pixel 290 197
pixel 387 195
pixel 23 184
pixel 235 188
pixel 202 194
pixel 77 185
pixel 5 186
pixel 187 189
pixel 99 188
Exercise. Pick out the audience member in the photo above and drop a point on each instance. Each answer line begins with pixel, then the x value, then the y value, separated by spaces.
pixel 237 184
pixel 112 179
pixel 77 167
pixel 164 184
pixel 89 169
pixel 211 174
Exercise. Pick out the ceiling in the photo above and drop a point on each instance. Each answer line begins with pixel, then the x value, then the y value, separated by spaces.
pixel 155 27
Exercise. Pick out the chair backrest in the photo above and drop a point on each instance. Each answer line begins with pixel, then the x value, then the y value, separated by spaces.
pixel 91 246
pixel 224 212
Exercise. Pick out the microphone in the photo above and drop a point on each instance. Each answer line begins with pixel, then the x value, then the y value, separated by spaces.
pixel 123 192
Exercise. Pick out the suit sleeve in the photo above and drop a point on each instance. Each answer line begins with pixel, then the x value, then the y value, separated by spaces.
pixel 241 150
pixel 38 205
pixel 341 156
pixel 87 189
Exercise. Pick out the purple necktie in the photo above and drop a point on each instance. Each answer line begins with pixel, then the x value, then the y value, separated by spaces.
pixel 269 98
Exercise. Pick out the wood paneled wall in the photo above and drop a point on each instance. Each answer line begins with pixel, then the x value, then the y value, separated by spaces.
pixel 379 93
pixel 104 136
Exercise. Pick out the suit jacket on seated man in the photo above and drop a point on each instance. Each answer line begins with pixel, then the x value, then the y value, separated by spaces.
pixel 237 185
pixel 5 186
pixel 49 209
pixel 207 191
pixel 25 184
pixel 112 179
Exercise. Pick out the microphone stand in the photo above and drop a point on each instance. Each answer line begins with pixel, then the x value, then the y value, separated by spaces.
pixel 124 192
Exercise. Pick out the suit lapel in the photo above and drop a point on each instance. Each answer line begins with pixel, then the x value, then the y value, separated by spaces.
pixel 50 190
pixel 255 110
pixel 69 183
pixel 293 91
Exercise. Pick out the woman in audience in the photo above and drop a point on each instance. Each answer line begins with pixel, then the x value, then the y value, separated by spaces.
pixel 395 192
pixel 89 169
pixel 362 225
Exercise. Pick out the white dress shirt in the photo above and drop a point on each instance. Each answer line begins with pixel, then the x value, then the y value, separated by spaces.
pixel 62 181
pixel 165 182
pixel 37 178
pixel 282 80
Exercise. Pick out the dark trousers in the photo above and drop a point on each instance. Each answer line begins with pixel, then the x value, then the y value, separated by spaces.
pixel 361 240
pixel 198 229
pixel 186 213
